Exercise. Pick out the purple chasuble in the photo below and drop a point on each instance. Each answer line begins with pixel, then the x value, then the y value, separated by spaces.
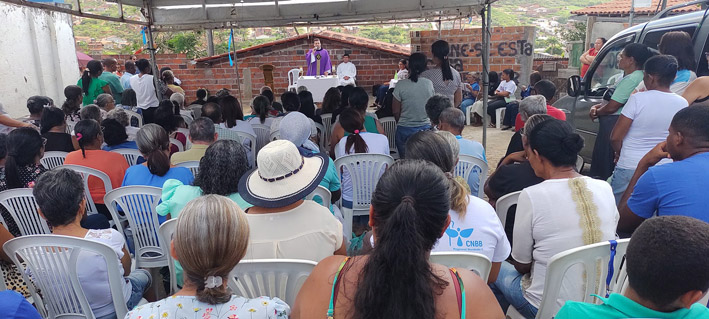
pixel 324 58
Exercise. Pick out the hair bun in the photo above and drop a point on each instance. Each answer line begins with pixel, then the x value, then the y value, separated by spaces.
pixel 572 143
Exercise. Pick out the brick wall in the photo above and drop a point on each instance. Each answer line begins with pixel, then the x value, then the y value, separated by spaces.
pixel 373 67
pixel 510 47
pixel 183 68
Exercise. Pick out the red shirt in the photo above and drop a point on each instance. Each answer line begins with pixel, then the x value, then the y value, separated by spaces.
pixel 584 67
pixel 554 112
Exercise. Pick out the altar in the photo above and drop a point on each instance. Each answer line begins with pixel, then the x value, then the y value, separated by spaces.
pixel 318 86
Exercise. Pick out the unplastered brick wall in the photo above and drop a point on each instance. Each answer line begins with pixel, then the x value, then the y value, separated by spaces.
pixel 373 66
pixel 510 48
pixel 184 69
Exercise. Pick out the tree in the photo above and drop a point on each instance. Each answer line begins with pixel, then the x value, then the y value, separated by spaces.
pixel 185 42
pixel 573 31
pixel 554 46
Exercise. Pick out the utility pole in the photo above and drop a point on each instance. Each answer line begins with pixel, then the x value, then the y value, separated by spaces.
pixel 632 13
pixel 210 42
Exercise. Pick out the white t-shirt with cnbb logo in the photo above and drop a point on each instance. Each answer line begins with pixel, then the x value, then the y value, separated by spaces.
pixel 479 231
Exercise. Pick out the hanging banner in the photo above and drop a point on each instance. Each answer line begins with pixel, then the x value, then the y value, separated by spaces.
pixel 231 37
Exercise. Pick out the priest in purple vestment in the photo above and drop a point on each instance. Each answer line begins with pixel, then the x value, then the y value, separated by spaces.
pixel 318 60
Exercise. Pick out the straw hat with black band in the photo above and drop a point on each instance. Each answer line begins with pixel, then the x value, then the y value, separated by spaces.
pixel 283 176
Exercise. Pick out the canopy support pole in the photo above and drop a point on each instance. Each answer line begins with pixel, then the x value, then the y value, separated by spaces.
pixel 236 69
pixel 151 49
pixel 485 14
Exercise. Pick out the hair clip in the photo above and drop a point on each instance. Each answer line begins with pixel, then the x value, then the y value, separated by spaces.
pixel 213 282
pixel 78 136
pixel 356 131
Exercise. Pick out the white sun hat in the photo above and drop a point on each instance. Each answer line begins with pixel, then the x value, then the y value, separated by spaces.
pixel 283 176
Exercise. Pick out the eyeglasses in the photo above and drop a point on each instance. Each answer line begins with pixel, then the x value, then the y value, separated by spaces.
pixel 44 141
pixel 521 132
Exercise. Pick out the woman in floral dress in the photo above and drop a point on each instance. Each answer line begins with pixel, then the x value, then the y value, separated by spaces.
pixel 224 234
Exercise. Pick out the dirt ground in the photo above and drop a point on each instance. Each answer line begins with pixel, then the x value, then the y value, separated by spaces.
pixel 497 141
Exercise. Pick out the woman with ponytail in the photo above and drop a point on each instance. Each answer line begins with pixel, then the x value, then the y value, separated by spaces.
pixel 357 142
pixel 90 137
pixel 396 280
pixel 260 106
pixel 409 103
pixel 645 120
pixel 90 84
pixel 474 226
pixel 71 106
pixel 446 80
pixel 25 147
pixel 53 129
pixel 154 143
pixel 565 211
pixel 223 231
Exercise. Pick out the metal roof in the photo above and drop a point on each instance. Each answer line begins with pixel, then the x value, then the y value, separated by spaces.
pixel 190 14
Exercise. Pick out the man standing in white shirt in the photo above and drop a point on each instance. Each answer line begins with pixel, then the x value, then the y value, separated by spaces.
pixel 346 71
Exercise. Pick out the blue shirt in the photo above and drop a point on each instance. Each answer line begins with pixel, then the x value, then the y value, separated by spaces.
pixel 126 144
pixel 677 188
pixel 125 80
pixel 475 149
pixel 141 175
pixel 15 306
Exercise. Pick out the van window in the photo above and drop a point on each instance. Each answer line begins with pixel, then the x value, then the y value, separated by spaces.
pixel 652 39
pixel 606 73
pixel 703 65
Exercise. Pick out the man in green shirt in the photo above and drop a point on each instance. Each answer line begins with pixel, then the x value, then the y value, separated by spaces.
pixel 110 65
pixel 668 272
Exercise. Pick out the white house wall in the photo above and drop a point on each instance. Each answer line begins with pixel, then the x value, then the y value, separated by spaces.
pixel 37 56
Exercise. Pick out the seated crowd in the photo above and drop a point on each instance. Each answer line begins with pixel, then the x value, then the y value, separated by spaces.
pixel 248 201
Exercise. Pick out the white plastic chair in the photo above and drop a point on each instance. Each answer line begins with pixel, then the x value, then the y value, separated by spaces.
pixel 188 119
pixel 86 173
pixel 21 205
pixel 389 124
pixel 138 204
pixel 131 155
pixel 243 137
pixel 177 143
pixel 594 260
pixel 579 163
pixel 132 115
pixel 274 135
pixel 167 229
pixel 365 171
pixel 263 135
pixel 321 133
pixel 53 159
pixel 466 165
pixel 327 133
pixel 53 261
pixel 293 76
pixel 280 278
pixel 192 165
pixel 499 115
pixel 503 205
pixel 464 260
pixel 322 192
